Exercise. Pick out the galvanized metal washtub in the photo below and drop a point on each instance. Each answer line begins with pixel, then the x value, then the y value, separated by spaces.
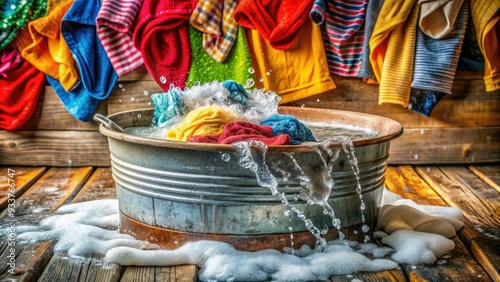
pixel 172 192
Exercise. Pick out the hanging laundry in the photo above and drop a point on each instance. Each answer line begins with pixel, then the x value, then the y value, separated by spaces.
pixel 343 36
pixel 238 131
pixel 276 21
pixel 205 69
pixel 202 121
pixel 15 14
pixel 161 35
pixel 298 72
pixel 486 18
pixel 372 11
pixel 437 17
pixel 424 101
pixel 471 58
pixel 21 85
pixel 317 13
pixel 436 62
pixel 42 44
pixel 291 126
pixel 114 22
pixel 98 77
pixel 215 19
pixel 392 50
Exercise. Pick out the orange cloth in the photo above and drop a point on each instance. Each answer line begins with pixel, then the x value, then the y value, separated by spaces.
pixel 42 45
pixel 392 50
pixel 486 18
pixel 298 72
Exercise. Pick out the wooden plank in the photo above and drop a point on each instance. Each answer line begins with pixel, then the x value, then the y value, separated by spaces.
pixel 63 268
pixel 460 188
pixel 480 204
pixel 489 174
pixel 55 188
pixel 54 148
pixel 406 182
pixel 182 273
pixel 446 146
pixel 100 185
pixel 51 114
pixel 22 179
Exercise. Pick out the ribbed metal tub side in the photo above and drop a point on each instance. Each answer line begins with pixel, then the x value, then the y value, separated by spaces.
pixel 196 191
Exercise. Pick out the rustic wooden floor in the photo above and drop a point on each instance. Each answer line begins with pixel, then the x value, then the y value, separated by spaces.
pixel 474 189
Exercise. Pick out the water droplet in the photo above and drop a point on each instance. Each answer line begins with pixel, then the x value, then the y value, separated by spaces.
pixel 146 92
pixel 290 228
pixel 163 80
pixel 13 7
pixel 132 99
pixel 70 162
pixel 367 239
pixel 251 70
pixel 149 103
pixel 120 85
pixel 303 106
pixel 287 213
pixel 139 115
pixel 261 80
pixel 119 100
pixel 225 157
pixel 176 242
pixel 365 228
pixel 123 89
pixel 268 73
pixel 250 83
pixel 441 261
pixel 416 156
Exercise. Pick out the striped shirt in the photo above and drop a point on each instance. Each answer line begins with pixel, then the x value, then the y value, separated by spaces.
pixel 343 36
pixel 436 60
pixel 114 29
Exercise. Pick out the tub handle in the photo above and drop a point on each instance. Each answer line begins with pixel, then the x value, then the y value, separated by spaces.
pixel 109 124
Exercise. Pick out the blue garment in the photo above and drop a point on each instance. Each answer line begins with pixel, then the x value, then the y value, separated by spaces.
pixel 287 124
pixel 237 92
pixel 78 103
pixel 78 28
pixel 96 72
pixel 372 10
pixel 169 107
pixel 424 101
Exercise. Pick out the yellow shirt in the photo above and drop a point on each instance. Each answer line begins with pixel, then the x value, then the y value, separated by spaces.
pixel 42 44
pixel 392 50
pixel 486 18
pixel 298 72
pixel 202 121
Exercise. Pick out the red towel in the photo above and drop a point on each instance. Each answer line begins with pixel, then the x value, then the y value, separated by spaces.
pixel 20 89
pixel 161 35
pixel 242 131
pixel 277 21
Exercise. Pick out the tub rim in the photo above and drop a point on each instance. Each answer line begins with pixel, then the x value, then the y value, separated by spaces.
pixel 388 129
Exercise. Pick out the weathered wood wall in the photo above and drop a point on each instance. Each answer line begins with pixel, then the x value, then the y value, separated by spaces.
pixel 463 128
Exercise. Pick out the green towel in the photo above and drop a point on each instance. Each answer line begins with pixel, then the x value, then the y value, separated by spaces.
pixel 237 66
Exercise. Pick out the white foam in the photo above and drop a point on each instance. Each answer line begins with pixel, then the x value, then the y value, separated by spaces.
pixel 415 247
pixel 83 228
